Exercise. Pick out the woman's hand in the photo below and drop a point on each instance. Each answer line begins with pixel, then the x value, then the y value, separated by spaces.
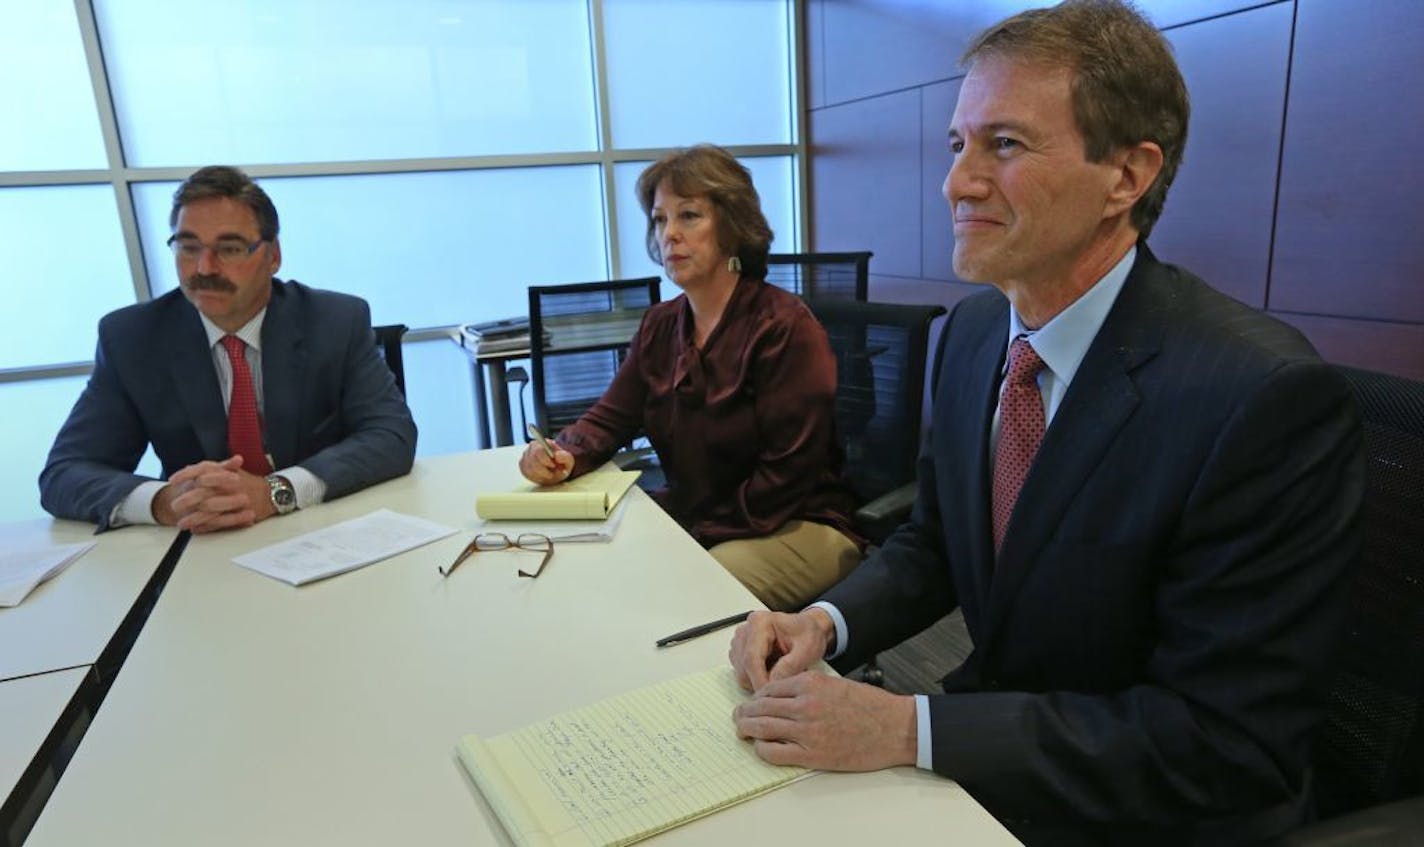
pixel 542 469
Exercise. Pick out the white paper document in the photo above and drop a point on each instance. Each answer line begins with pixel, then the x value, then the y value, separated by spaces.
pixel 562 530
pixel 343 547
pixel 22 570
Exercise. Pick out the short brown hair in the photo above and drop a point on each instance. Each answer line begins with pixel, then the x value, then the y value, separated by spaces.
pixel 1126 86
pixel 226 181
pixel 707 170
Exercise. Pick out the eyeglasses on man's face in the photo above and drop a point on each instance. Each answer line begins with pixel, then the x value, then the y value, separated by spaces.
pixel 226 250
pixel 487 541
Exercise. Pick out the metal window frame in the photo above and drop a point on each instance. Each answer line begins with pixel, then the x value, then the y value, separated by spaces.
pixel 122 177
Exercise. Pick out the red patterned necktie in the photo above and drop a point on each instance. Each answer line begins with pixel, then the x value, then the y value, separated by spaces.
pixel 244 428
pixel 1020 432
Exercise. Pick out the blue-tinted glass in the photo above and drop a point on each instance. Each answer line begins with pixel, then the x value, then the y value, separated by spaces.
pixel 424 249
pixel 775 181
pixel 334 80
pixel 66 268
pixel 698 70
pixel 45 94
pixel 43 405
pixel 440 392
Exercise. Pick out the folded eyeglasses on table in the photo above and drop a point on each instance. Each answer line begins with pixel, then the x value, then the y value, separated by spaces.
pixel 489 541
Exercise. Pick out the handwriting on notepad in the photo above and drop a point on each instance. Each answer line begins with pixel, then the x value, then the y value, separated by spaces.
pixel 600 764
pixel 624 768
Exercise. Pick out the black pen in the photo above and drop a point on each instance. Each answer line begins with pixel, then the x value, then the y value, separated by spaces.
pixel 688 634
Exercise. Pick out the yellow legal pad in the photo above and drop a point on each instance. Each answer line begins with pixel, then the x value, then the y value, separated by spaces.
pixel 590 497
pixel 625 768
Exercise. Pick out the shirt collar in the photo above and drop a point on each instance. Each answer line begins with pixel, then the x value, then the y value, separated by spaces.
pixel 1063 341
pixel 250 332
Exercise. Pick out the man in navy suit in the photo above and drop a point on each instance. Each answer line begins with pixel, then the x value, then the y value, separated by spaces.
pixel 1142 494
pixel 315 412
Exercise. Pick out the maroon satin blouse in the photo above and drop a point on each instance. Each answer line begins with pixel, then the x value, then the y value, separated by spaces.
pixel 743 427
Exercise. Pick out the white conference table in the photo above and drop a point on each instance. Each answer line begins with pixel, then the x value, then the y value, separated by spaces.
pixel 30 705
pixel 252 712
pixel 67 621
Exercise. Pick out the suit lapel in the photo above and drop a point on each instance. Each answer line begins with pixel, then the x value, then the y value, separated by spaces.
pixel 190 364
pixel 284 367
pixel 1100 400
pixel 983 369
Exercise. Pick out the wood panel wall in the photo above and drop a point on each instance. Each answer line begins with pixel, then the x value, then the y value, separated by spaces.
pixel 1301 193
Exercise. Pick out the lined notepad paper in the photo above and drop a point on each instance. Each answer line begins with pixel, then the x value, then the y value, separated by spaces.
pixel 625 768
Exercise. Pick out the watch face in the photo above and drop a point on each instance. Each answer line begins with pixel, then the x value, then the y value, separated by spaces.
pixel 284 497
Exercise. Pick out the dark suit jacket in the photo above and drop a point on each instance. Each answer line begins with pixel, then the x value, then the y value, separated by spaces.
pixel 330 404
pixel 1151 645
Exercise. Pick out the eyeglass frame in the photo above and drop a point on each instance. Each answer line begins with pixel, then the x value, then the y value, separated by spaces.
pixel 180 244
pixel 509 544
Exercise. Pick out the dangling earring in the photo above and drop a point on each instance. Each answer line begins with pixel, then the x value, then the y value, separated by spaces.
pixel 734 265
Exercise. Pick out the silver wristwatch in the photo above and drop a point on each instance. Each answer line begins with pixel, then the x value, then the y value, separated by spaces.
pixel 284 496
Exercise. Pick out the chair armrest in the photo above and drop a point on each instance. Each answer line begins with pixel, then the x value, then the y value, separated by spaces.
pixel 636 459
pixel 1400 823
pixel 878 518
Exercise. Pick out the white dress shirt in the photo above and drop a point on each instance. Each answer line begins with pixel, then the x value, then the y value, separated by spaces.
pixel 137 508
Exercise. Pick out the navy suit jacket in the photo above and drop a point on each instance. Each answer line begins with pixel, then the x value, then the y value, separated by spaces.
pixel 330 404
pixel 1152 643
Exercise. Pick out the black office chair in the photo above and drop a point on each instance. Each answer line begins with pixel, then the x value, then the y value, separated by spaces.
pixel 1369 756
pixel 578 336
pixel 388 344
pixel 821 276
pixel 881 351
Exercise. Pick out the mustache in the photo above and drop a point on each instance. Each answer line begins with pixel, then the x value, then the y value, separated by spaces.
pixel 209 282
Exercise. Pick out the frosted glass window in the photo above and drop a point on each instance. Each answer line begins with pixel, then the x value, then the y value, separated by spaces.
pixel 45 93
pixel 334 80
pixel 65 268
pixel 775 181
pixel 440 393
pixel 698 70
pixel 42 405
pixel 424 249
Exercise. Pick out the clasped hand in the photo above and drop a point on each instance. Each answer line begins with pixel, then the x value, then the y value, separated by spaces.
pixel 801 717
pixel 209 496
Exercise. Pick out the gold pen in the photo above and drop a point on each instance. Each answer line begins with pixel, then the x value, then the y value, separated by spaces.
pixel 538 436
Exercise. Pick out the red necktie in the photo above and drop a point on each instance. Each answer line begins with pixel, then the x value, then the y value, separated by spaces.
pixel 1020 432
pixel 244 428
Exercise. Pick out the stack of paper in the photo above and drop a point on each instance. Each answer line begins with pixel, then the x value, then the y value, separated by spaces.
pixel 496 336
pixel 343 547
pixel 591 530
pixel 22 570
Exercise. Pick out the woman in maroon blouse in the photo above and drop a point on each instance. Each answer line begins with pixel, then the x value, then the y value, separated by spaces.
pixel 734 384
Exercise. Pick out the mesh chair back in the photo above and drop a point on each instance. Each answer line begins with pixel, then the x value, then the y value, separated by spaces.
pixel 1371 749
pixel 821 276
pixel 388 344
pixel 880 382
pixel 578 336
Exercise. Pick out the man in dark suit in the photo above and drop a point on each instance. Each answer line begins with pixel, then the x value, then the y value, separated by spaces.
pixel 1142 494
pixel 258 396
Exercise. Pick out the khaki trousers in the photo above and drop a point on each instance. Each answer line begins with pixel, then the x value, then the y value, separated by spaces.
pixel 792 566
